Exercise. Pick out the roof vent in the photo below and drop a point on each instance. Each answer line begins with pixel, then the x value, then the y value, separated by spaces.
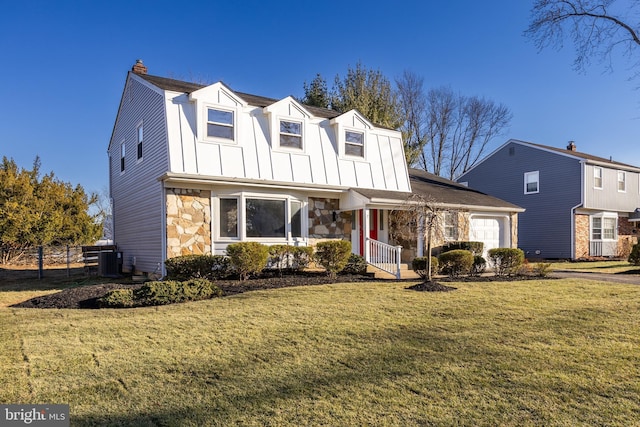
pixel 571 146
pixel 139 67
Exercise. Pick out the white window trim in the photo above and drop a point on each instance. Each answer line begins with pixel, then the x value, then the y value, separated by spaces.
pixel 205 122
pixel 122 163
pixel 242 197
pixel 595 168
pixel 532 173
pixel 140 125
pixel 345 143
pixel 624 181
pixel 602 216
pixel 302 147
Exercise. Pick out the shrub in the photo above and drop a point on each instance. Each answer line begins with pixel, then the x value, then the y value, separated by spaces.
pixel 117 298
pixel 479 265
pixel 333 255
pixel 506 261
pixel 542 269
pixel 355 265
pixel 419 265
pixel 187 267
pixel 171 291
pixel 302 256
pixel 475 248
pixel 634 256
pixel 456 262
pixel 247 258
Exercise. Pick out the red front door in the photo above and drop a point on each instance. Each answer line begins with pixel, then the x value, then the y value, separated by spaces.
pixel 373 227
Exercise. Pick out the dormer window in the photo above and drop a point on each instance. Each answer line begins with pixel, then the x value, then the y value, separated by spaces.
pixel 290 134
pixel 220 124
pixel 354 143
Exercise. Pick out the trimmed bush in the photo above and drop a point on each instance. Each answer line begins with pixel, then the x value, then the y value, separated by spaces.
pixel 506 261
pixel 419 265
pixel 634 256
pixel 456 262
pixel 248 258
pixel 212 267
pixel 161 293
pixel 355 265
pixel 333 255
pixel 474 247
pixel 171 291
pixel 479 265
pixel 117 298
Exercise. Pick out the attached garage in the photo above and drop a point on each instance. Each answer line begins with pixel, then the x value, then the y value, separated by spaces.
pixel 490 230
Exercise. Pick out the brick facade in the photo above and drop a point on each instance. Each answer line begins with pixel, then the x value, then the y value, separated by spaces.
pixel 582 238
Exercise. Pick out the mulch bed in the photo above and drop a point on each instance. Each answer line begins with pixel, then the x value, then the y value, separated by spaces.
pixel 86 296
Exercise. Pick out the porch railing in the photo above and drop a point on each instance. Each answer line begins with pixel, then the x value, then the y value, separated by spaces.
pixel 384 256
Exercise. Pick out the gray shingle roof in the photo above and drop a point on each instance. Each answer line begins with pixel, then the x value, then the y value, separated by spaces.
pixel 255 100
pixel 440 190
pixel 579 154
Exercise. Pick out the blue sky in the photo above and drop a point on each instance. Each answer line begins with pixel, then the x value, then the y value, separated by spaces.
pixel 63 66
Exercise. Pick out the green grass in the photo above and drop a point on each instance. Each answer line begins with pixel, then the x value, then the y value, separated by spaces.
pixel 553 353
pixel 611 267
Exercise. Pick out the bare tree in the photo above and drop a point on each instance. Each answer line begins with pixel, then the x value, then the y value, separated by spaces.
pixel 413 107
pixel 598 28
pixel 458 130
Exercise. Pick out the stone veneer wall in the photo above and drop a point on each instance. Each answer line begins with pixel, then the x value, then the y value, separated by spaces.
pixel 321 223
pixel 188 222
pixel 627 237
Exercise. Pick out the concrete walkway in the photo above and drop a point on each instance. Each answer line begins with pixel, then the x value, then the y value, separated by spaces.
pixel 633 279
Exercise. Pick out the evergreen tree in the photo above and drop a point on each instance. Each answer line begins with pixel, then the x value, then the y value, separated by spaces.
pixel 316 93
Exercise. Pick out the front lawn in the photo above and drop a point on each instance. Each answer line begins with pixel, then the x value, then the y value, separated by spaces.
pixel 611 267
pixel 549 352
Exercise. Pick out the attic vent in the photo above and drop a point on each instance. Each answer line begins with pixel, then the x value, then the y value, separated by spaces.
pixel 512 151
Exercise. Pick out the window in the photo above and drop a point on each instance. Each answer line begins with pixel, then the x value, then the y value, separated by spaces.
pixel 450 225
pixel 622 178
pixel 265 218
pixel 122 154
pixel 354 143
pixel 220 124
pixel 140 138
pixel 603 228
pixel 531 182
pixel 296 219
pixel 597 177
pixel 290 134
pixel 229 218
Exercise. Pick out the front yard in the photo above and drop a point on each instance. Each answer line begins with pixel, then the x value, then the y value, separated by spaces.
pixel 548 352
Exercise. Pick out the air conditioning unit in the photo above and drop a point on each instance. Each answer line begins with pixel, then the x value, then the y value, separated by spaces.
pixel 110 264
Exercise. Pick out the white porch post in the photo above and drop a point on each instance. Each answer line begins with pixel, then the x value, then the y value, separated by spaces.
pixel 420 232
pixel 366 218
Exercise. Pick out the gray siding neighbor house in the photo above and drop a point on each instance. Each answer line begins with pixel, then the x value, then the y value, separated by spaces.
pixel 578 206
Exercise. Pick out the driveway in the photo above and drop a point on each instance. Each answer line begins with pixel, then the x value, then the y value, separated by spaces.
pixel 633 279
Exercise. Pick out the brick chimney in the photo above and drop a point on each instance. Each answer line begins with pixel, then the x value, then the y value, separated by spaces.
pixel 139 67
pixel 570 147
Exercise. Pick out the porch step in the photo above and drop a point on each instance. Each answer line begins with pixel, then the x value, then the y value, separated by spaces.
pixel 405 273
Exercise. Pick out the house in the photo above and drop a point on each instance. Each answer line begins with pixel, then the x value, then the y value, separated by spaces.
pixel 578 206
pixel 194 168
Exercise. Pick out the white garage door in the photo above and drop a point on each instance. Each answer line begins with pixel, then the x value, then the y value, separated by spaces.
pixel 488 230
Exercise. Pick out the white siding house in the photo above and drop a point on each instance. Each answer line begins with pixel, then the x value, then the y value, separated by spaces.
pixel 194 168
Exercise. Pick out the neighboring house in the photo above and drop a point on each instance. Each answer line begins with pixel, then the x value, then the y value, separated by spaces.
pixel 578 206
pixel 194 168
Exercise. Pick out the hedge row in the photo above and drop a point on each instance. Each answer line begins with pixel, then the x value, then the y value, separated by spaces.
pixel 160 293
